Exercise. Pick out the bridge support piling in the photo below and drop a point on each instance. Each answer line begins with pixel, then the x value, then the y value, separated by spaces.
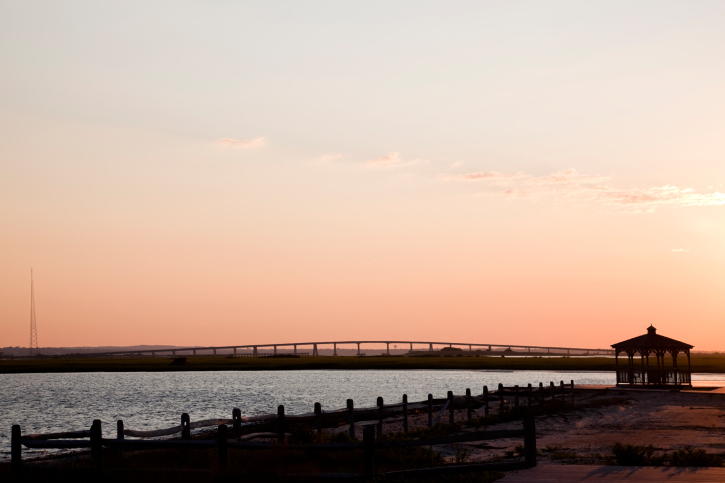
pixel 295 346
pixel 314 350
pixel 254 353
pixel 358 348
pixel 334 349
pixel 214 350
pixel 275 350
pixel 193 352
pixel 411 347
pixel 430 347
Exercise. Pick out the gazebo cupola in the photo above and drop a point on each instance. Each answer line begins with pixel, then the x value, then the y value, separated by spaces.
pixel 659 374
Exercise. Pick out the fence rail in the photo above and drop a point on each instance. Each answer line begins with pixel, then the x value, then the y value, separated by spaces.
pixel 371 419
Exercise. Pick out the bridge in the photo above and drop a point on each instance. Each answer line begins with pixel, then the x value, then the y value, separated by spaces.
pixel 427 346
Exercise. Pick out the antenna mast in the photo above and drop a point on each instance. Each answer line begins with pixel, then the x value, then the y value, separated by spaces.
pixel 34 350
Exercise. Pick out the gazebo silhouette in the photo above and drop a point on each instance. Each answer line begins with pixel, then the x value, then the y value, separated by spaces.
pixel 658 375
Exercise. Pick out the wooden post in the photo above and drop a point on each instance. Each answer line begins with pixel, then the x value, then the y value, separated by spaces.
pixel 500 398
pixel 222 440
pixel 485 400
pixel 96 443
pixel 119 429
pixel 237 422
pixel 530 439
pixel 318 418
pixel 16 449
pixel 541 392
pixel 468 403
pixel 516 395
pixel 380 417
pixel 563 391
pixel 369 452
pixel 185 426
pixel 351 419
pixel 405 413
pixel 529 395
pixel 451 416
pixel 280 424
pixel 553 394
pixel 572 392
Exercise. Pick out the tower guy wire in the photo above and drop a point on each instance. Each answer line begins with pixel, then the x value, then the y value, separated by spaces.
pixel 34 349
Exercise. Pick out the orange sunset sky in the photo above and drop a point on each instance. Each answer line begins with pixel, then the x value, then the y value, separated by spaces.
pixel 211 172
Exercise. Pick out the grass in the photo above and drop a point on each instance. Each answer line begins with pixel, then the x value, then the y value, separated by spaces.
pixel 225 363
pixel 714 363
pixel 640 455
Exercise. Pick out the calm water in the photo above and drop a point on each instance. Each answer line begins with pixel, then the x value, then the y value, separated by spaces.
pixel 43 403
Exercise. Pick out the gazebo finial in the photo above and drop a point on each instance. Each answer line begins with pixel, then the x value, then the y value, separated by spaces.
pixel 651 330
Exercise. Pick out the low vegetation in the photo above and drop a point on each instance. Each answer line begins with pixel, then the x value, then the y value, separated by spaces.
pixel 641 455
pixel 713 363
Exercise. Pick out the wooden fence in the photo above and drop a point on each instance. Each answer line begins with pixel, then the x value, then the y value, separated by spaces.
pixel 274 426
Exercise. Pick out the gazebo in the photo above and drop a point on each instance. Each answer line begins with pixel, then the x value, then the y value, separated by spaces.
pixel 661 375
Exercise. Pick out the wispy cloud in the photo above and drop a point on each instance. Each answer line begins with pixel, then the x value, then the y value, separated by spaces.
pixel 680 250
pixel 392 160
pixel 579 188
pixel 326 158
pixel 244 144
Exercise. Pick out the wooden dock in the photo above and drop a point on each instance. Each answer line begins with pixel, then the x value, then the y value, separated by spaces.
pixel 609 474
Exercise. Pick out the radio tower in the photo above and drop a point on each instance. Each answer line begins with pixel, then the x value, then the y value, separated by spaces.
pixel 33 327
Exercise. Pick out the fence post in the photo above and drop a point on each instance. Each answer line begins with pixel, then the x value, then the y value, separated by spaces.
pixel 405 413
pixel 529 394
pixel 572 392
pixel 119 435
pixel 280 424
pixel 485 400
pixel 16 449
pixel 318 418
pixel 380 417
pixel 223 443
pixel 553 389
pixel 451 416
pixel 351 418
pixel 468 403
pixel 237 424
pixel 369 451
pixel 516 395
pixel 96 443
pixel 500 397
pixel 563 391
pixel 541 392
pixel 530 439
pixel 185 426
pixel 430 410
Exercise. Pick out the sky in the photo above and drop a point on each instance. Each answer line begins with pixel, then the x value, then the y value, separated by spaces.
pixel 218 172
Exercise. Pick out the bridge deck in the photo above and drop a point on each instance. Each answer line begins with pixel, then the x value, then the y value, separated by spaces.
pixel 650 474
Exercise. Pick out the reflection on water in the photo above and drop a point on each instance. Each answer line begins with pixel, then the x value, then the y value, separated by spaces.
pixel 43 403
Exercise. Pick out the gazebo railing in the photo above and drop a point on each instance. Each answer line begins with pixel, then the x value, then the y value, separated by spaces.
pixel 669 377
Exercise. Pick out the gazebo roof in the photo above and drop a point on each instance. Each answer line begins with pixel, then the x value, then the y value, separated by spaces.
pixel 652 340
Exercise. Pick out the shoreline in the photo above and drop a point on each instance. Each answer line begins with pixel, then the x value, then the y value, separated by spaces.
pixel 701 363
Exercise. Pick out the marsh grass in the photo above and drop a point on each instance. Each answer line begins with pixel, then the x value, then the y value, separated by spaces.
pixel 648 455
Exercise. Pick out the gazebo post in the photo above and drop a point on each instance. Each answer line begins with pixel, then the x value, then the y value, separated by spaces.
pixel 648 380
pixel 641 354
pixel 673 353
pixel 689 369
